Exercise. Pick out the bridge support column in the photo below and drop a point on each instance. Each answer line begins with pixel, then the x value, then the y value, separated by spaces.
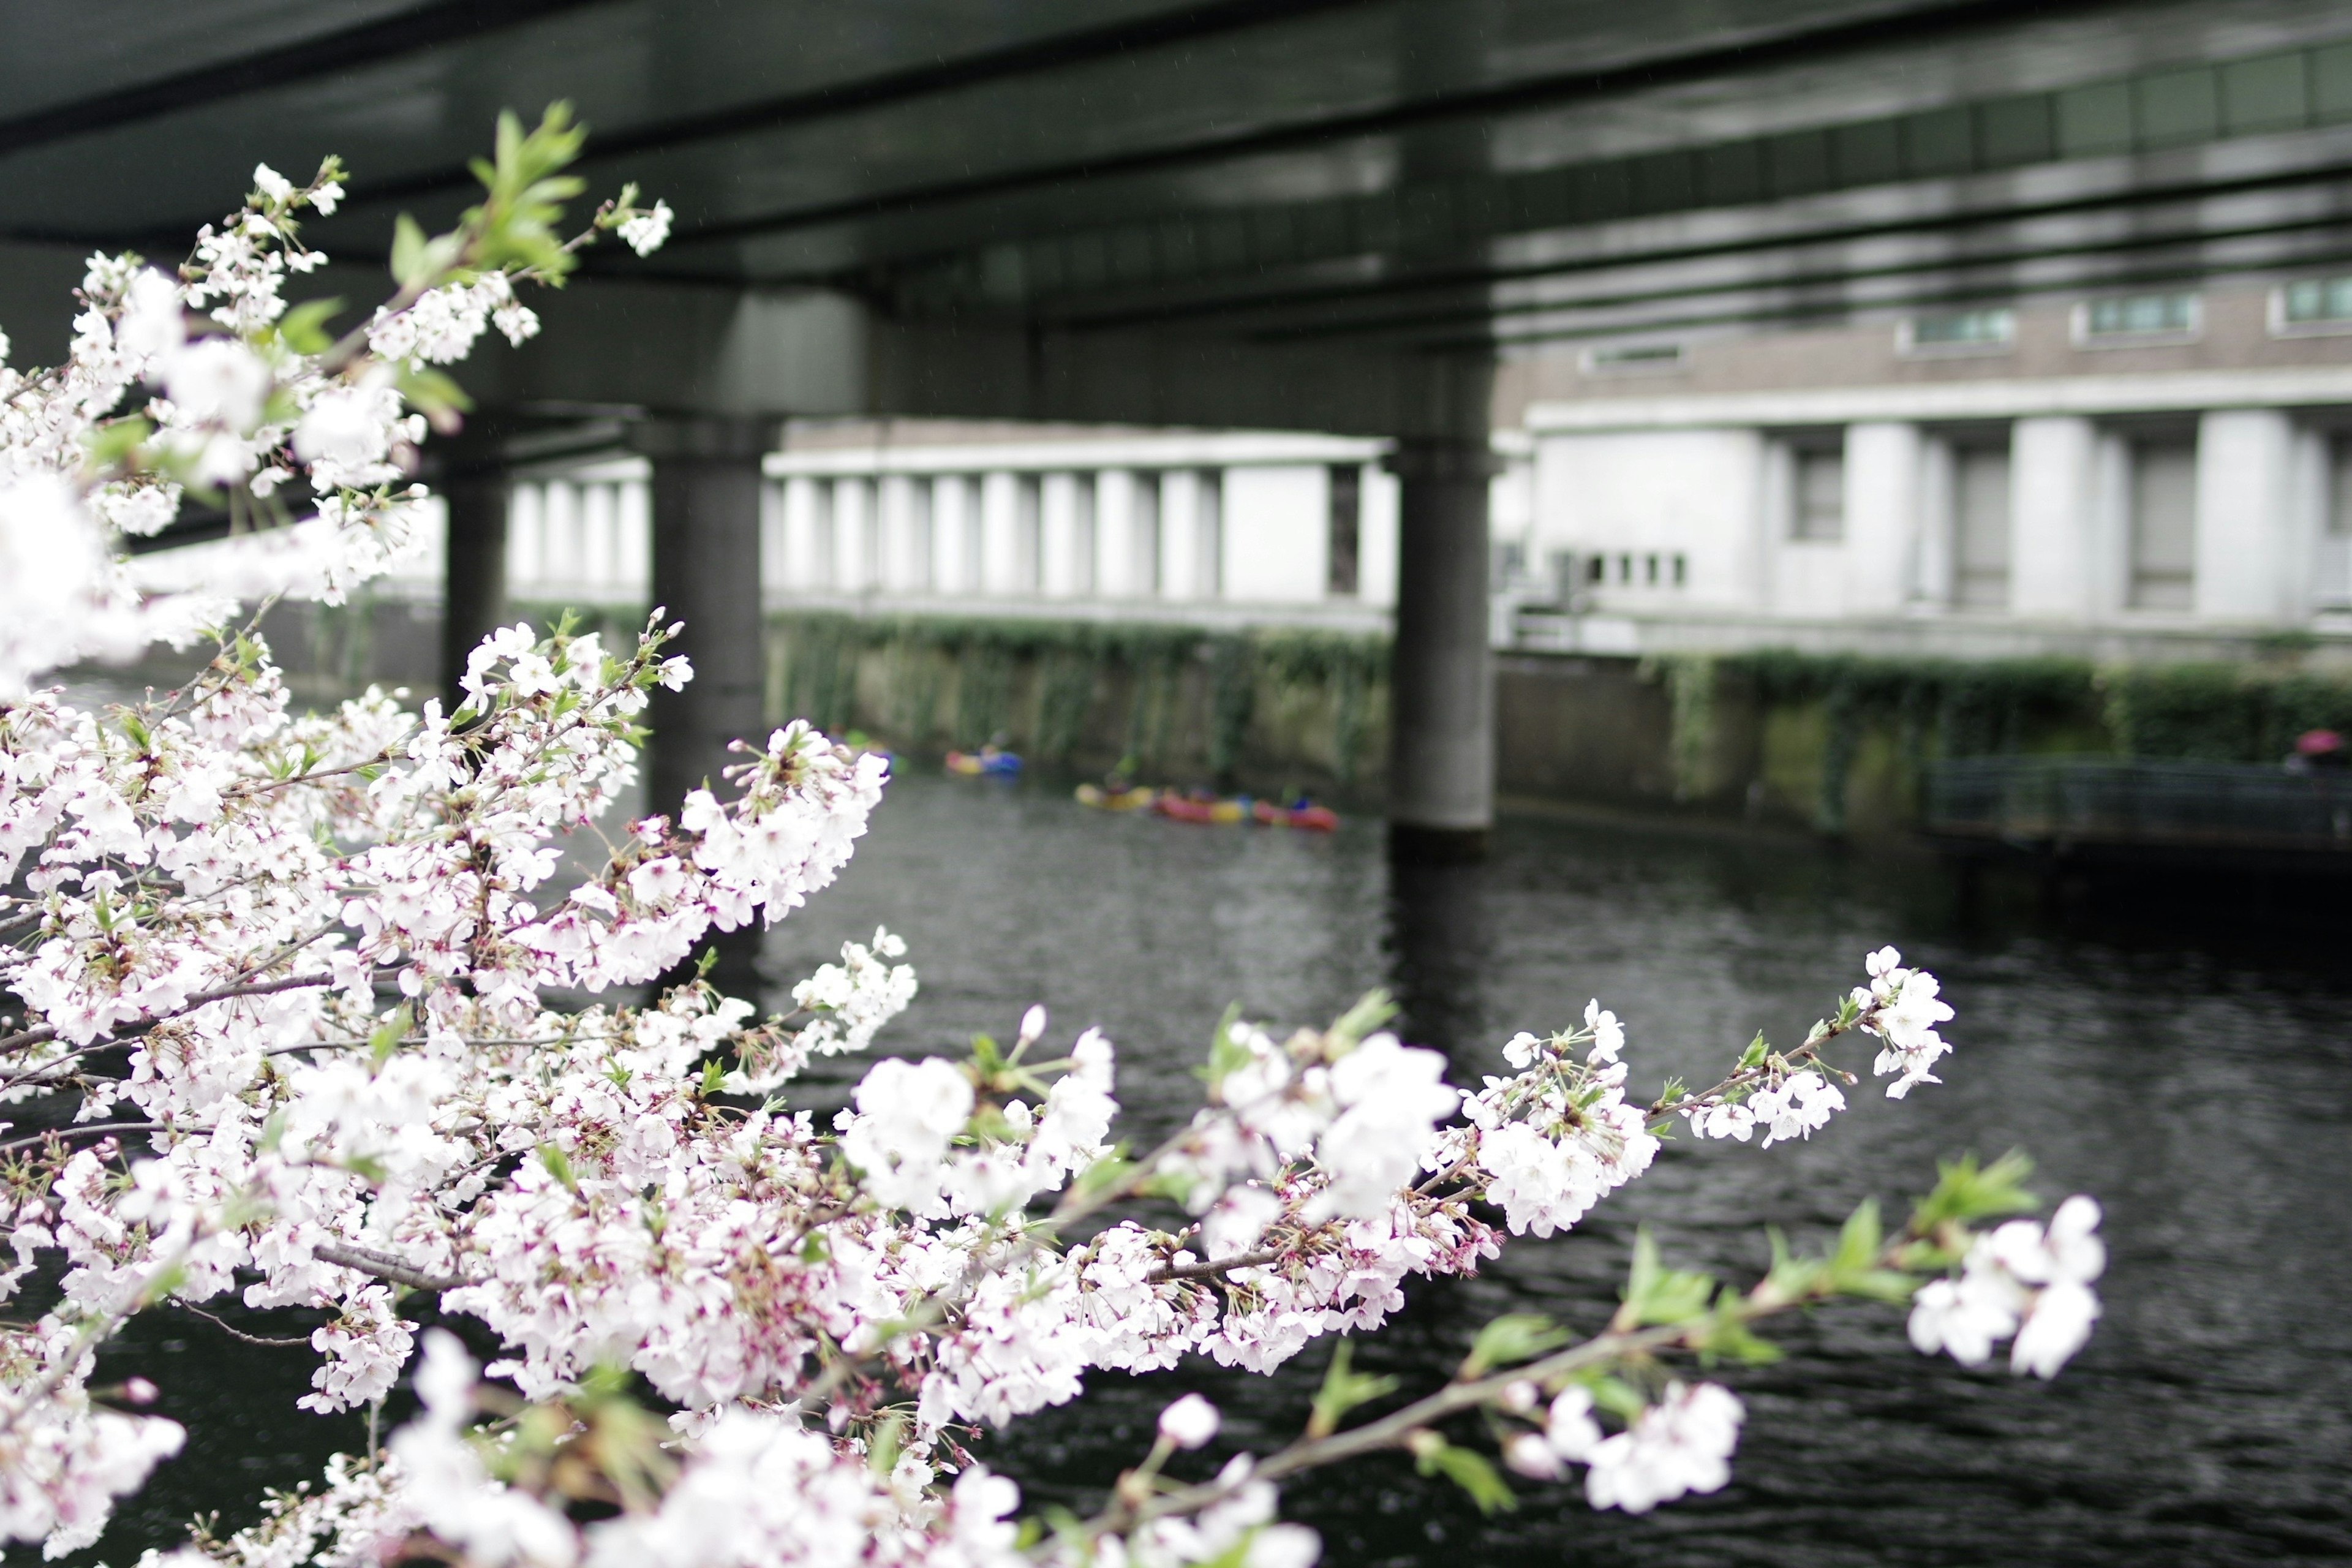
pixel 474 566
pixel 1442 673
pixel 706 573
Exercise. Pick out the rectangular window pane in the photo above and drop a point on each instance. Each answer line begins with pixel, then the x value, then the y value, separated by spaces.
pixel 2163 525
pixel 1980 527
pixel 2319 299
pixel 1963 329
pixel 2142 315
pixel 1346 528
pixel 1819 510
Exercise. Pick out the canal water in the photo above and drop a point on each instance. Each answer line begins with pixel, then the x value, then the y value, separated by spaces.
pixel 2198 1082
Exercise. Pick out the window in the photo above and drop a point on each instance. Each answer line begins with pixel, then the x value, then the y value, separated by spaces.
pixel 1209 534
pixel 2313 305
pixel 1082 535
pixel 2137 318
pixel 1819 513
pixel 1620 359
pixel 1143 535
pixel 1028 547
pixel 1347 525
pixel 2163 525
pixel 1980 528
pixel 1958 332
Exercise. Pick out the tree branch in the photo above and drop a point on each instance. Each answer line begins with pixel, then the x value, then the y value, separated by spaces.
pixel 383 1266
pixel 48 1032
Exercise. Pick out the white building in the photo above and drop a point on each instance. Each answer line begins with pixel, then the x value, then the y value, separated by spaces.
pixel 2156 474
pixel 934 517
pixel 2130 476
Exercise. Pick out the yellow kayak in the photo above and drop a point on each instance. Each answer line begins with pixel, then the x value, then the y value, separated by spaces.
pixel 1116 800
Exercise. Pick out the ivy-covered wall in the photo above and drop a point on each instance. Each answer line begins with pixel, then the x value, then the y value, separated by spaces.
pixel 1837 743
pixel 1270 709
pixel 1840 740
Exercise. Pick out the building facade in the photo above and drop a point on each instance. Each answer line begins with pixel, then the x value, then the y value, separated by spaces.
pixel 944 518
pixel 2125 476
pixel 2160 474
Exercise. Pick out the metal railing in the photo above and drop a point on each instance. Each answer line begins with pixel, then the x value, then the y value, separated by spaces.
pixel 2068 800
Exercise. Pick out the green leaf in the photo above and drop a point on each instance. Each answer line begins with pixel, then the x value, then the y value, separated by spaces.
pixel 1657 1294
pixel 1757 1049
pixel 1510 1340
pixel 882 1453
pixel 1224 1054
pixel 113 443
pixel 1617 1397
pixel 1103 1175
pixel 1468 1469
pixel 714 1077
pixel 1964 1192
pixel 1371 1010
pixel 303 329
pixel 408 244
pixel 1727 1335
pixel 1343 1389
pixel 558 1165
pixel 433 394
pixel 1858 1241
pixel 388 1035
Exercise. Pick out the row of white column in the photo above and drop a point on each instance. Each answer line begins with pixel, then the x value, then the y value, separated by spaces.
pixel 2092 526
pixel 1146 535
pixel 580 540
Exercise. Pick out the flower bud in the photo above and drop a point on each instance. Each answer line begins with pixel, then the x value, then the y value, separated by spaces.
pixel 1190 1422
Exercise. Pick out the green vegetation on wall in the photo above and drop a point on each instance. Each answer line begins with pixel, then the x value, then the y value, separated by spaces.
pixel 1158 697
pixel 1920 708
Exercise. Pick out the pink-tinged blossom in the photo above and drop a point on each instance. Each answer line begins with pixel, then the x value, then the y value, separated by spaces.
pixel 1683 1444
pixel 2021 1280
pixel 1190 1423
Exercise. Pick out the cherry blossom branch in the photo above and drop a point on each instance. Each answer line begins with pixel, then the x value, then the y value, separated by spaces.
pixel 383 1266
pixel 45 1033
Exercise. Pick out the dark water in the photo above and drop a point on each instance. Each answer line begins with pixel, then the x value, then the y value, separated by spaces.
pixel 2193 1078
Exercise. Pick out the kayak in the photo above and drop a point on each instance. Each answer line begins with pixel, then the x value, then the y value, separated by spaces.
pixel 987 760
pixel 1208 810
pixel 1189 808
pixel 1116 799
pixel 1306 816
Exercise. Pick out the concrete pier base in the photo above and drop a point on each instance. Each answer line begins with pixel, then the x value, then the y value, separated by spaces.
pixel 1442 675
pixel 474 564
pixel 706 573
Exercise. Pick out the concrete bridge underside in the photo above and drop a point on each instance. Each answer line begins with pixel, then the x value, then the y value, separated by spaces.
pixel 1326 215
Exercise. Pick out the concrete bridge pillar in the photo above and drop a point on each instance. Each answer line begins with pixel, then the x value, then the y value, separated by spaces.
pixel 706 573
pixel 473 564
pixel 1442 674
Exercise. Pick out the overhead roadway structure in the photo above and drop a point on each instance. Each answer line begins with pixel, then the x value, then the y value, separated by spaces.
pixel 1330 215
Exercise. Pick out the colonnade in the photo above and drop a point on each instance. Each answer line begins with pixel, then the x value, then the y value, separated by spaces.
pixel 706 496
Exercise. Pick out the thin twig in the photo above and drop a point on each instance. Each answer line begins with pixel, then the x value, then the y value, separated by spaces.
pixel 1211 1267
pixel 48 1032
pixel 101 1128
pixel 236 1332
